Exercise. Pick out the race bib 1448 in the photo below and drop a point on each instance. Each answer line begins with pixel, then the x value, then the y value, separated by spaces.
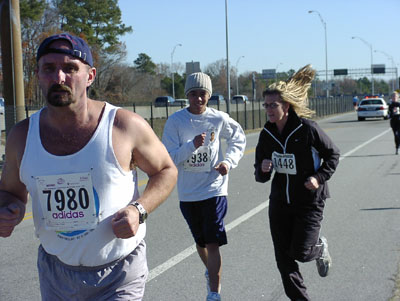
pixel 284 163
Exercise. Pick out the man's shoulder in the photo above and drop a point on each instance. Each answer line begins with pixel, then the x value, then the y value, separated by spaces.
pixel 130 125
pixel 218 113
pixel 220 117
pixel 16 138
pixel 178 116
pixel 20 128
pixel 127 117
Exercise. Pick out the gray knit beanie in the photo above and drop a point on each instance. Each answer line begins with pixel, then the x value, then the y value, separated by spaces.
pixel 198 80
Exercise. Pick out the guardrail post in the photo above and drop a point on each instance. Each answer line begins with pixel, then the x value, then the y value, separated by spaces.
pixel 253 115
pixel 245 116
pixel 151 115
pixel 237 111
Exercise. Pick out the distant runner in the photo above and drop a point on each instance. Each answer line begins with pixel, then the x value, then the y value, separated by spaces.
pixel 394 112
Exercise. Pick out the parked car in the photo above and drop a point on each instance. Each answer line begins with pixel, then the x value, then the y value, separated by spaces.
pixel 1 105
pixel 181 102
pixel 372 107
pixel 239 99
pixel 215 99
pixel 161 101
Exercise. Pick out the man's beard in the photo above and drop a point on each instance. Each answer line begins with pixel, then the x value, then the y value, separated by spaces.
pixel 59 100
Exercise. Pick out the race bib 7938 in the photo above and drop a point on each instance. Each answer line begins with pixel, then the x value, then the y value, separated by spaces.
pixel 199 161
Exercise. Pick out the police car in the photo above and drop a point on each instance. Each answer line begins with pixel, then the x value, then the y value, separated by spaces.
pixel 372 107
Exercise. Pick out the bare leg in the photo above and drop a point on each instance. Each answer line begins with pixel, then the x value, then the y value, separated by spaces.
pixel 203 254
pixel 214 264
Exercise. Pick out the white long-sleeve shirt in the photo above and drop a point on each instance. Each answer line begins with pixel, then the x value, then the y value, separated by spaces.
pixel 180 130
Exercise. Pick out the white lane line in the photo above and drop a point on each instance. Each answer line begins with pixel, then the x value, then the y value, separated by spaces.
pixel 363 144
pixel 158 270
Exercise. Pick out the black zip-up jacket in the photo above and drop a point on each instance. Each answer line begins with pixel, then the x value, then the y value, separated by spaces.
pixel 394 117
pixel 309 144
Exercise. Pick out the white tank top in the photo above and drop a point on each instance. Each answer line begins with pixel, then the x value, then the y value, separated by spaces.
pixel 112 189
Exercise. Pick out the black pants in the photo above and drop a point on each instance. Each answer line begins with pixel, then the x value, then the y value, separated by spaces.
pixel 295 233
pixel 395 125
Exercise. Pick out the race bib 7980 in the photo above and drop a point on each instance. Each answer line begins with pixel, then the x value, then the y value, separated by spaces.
pixel 67 201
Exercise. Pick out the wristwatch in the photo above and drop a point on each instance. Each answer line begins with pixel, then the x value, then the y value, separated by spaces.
pixel 142 212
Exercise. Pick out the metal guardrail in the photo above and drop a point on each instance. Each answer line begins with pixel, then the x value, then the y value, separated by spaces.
pixel 250 115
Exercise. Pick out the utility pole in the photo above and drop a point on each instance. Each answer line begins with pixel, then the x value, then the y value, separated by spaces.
pixel 11 51
pixel 228 75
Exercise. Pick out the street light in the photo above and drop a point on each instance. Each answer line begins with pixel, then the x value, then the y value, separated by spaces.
pixel 172 71
pixel 326 50
pixel 276 74
pixel 393 65
pixel 228 75
pixel 237 74
pixel 372 61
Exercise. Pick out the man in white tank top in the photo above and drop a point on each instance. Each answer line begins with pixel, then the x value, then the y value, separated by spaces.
pixel 76 159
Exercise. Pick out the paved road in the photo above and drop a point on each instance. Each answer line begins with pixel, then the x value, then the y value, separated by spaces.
pixel 361 223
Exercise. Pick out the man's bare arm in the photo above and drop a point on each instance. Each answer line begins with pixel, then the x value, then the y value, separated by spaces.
pixel 13 193
pixel 152 157
pixel 149 155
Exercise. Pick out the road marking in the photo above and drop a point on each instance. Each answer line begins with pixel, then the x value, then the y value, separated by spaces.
pixel 249 151
pixel 27 216
pixel 158 270
pixel 363 144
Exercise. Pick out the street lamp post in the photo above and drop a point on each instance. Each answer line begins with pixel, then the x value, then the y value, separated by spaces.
pixel 172 70
pixel 237 74
pixel 228 75
pixel 393 65
pixel 326 50
pixel 372 61
pixel 276 73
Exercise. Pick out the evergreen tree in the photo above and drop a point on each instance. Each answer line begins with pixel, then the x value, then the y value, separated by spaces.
pixel 144 64
pixel 98 20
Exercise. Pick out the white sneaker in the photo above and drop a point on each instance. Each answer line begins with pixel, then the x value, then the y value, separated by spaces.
pixel 325 261
pixel 213 296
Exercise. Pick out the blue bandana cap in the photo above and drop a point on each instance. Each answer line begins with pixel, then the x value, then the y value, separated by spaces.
pixel 80 49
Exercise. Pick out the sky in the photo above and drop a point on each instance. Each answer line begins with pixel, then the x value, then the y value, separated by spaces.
pixel 264 34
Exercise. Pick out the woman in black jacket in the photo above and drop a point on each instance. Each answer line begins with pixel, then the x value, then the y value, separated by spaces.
pixel 304 158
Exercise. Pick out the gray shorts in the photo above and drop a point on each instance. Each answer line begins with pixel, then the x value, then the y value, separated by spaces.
pixel 123 279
